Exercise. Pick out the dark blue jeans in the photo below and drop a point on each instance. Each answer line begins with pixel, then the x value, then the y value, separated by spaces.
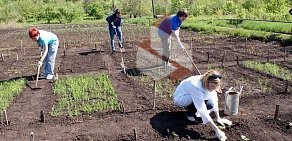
pixel 191 109
pixel 112 32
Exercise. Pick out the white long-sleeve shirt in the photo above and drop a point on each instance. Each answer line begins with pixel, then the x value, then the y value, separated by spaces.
pixel 191 90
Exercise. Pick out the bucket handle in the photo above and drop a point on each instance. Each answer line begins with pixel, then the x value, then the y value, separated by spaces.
pixel 230 89
pixel 241 88
pixel 226 99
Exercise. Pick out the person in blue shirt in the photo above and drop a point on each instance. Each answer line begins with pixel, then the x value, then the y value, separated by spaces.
pixel 170 27
pixel 49 43
pixel 114 26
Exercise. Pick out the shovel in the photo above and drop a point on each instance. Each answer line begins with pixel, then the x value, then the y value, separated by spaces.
pixel 192 61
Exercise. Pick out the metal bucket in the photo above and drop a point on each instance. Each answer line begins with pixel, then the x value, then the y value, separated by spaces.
pixel 232 101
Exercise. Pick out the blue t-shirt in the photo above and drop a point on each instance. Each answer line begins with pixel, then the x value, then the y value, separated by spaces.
pixel 168 24
pixel 46 38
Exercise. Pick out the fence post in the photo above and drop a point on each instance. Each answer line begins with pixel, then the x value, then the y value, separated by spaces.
pixel 276 112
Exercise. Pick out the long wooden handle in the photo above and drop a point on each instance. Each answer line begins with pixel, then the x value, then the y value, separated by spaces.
pixel 37 78
pixel 192 61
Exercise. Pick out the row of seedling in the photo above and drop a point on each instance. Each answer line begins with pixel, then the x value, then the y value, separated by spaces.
pixel 270 68
pixel 8 91
pixel 84 94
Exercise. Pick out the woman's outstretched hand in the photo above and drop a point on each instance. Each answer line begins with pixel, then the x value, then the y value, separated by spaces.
pixel 223 121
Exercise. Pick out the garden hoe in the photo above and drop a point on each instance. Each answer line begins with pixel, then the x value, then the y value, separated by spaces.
pixel 192 61
pixel 37 77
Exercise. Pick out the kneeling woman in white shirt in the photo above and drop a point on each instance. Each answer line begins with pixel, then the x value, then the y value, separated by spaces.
pixel 198 95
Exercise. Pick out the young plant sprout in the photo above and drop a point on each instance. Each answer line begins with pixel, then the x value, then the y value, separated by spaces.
pixel 84 94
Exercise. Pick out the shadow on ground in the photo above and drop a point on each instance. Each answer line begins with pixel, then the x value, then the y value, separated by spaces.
pixel 174 125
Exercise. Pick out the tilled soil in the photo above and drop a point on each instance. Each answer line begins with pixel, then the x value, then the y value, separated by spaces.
pixel 137 120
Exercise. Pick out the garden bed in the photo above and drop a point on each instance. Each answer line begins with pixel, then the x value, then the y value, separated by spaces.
pixel 139 119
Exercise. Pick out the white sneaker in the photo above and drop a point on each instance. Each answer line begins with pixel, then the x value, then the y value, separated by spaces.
pixel 191 118
pixel 50 76
pixel 170 65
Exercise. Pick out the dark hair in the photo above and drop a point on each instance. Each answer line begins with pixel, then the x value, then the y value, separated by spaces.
pixel 117 11
pixel 182 12
pixel 214 76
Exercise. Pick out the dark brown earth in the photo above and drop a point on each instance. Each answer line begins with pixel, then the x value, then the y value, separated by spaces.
pixel 84 50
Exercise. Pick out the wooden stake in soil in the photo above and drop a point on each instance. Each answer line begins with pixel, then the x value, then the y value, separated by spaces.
pixel 276 112
pixel 2 56
pixel 135 134
pixel 108 69
pixel 31 136
pixel 237 61
pixel 21 44
pixel 122 105
pixel 157 61
pixel 56 77
pixel 5 117
pixel 191 44
pixel 222 61
pixel 245 42
pixel 268 59
pixel 90 39
pixel 154 95
pixel 101 46
pixel 16 56
pixel 123 66
pixel 21 47
pixel 285 52
pixel 64 50
pixel 208 57
pixel 42 116
pixel 286 86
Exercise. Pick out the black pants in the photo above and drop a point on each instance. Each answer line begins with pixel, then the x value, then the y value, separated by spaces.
pixel 191 109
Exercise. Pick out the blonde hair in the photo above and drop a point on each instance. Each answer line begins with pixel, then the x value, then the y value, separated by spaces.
pixel 211 76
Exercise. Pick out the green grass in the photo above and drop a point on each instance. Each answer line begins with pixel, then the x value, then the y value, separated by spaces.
pixel 84 94
pixel 270 68
pixel 264 30
pixel 202 26
pixel 268 26
pixel 264 85
pixel 9 90
pixel 43 22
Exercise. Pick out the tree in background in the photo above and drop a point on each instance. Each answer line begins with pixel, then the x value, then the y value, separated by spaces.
pixel 8 10
pixel 69 10
pixel 176 5
pixel 136 8
pixel 97 8
pixel 26 10
pixel 162 7
pixel 50 12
